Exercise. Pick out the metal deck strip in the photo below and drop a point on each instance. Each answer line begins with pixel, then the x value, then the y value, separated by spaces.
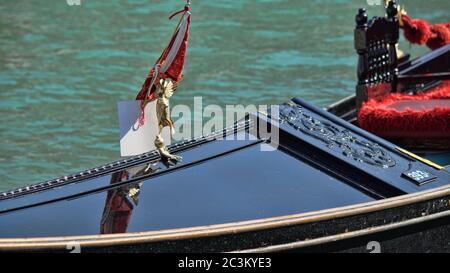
pixel 122 164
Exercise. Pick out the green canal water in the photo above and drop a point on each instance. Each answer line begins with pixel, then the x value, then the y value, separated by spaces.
pixel 63 68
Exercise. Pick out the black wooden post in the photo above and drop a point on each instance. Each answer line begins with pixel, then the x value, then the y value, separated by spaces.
pixel 362 50
pixel 392 39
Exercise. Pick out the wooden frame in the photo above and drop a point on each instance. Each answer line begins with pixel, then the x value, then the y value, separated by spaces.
pixel 375 42
pixel 378 64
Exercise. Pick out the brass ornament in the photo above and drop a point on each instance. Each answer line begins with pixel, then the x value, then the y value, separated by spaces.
pixel 400 12
pixel 164 92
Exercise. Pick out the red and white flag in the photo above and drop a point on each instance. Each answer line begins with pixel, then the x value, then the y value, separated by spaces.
pixel 170 64
pixel 137 118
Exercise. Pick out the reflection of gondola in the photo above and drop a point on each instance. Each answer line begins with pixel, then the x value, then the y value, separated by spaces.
pixel 330 186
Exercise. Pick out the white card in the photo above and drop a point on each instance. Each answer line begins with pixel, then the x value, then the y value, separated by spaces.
pixel 136 140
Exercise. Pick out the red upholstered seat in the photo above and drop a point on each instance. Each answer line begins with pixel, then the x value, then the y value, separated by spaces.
pixel 396 115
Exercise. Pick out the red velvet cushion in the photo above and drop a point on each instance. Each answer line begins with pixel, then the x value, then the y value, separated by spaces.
pixel 396 115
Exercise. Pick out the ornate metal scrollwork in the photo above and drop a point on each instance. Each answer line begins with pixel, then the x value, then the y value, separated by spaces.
pixel 336 138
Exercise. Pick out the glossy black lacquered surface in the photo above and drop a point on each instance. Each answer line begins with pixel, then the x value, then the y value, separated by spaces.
pixel 243 185
pixel 321 162
pixel 127 175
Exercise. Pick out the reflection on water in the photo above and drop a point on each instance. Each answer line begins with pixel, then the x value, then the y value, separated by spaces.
pixel 63 68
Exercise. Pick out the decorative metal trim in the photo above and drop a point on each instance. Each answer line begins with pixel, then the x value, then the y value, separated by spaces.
pixel 335 137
